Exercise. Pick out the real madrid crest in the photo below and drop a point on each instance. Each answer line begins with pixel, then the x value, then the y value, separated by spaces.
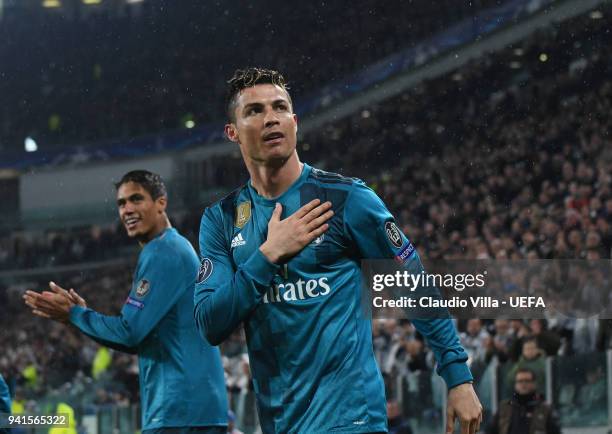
pixel 243 214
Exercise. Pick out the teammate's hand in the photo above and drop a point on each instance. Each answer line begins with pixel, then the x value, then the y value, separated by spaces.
pixel 288 237
pixel 463 404
pixel 71 294
pixel 54 305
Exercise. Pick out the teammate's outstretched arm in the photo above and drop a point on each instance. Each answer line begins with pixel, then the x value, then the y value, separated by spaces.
pixel 149 301
pixel 56 305
pixel 225 296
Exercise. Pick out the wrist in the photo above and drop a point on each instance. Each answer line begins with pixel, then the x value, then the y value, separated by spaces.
pixel 269 253
pixel 469 383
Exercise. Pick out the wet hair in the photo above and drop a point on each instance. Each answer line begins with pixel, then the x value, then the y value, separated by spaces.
pixel 150 181
pixel 249 77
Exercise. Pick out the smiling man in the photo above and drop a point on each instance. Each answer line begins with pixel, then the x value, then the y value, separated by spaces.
pixel 282 255
pixel 182 384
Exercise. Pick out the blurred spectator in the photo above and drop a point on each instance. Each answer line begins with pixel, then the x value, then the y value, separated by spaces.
pixel 604 335
pixel 231 423
pixel 526 412
pixel 532 358
pixel 546 340
pixel 591 402
pixel 502 341
pixel 395 421
pixel 475 340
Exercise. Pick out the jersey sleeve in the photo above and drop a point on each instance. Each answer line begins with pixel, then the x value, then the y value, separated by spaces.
pixel 5 398
pixel 226 294
pixel 113 345
pixel 372 230
pixel 159 282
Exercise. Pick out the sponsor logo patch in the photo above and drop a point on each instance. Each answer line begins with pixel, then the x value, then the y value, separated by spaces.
pixel 394 234
pixel 133 302
pixel 206 268
pixel 405 253
pixel 238 241
pixel 243 214
pixel 142 288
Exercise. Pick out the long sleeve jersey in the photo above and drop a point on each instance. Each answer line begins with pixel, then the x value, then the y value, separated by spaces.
pixel 309 340
pixel 5 402
pixel 181 377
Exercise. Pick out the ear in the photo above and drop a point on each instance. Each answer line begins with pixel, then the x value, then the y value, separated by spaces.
pixel 162 203
pixel 295 121
pixel 231 132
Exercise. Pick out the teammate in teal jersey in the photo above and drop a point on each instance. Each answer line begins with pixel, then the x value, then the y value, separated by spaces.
pixel 182 384
pixel 282 255
pixel 5 402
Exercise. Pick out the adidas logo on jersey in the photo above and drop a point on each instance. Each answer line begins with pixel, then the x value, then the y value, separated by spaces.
pixel 238 241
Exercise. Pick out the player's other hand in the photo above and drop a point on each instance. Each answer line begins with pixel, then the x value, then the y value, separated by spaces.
pixel 463 404
pixel 288 237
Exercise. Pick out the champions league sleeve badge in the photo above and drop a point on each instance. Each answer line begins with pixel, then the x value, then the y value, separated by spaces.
pixel 142 288
pixel 393 234
pixel 206 269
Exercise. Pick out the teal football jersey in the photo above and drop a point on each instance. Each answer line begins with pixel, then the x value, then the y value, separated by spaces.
pixel 5 397
pixel 309 340
pixel 181 377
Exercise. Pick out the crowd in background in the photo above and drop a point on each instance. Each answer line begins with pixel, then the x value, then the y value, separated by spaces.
pixel 100 76
pixel 508 157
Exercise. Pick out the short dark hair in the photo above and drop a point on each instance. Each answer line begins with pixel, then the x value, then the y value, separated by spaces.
pixel 150 181
pixel 530 339
pixel 526 371
pixel 249 77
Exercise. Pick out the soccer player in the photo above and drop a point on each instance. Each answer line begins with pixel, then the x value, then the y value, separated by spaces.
pixel 182 384
pixel 282 255
pixel 5 402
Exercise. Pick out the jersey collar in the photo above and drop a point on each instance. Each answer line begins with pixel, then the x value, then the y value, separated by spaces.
pixel 271 202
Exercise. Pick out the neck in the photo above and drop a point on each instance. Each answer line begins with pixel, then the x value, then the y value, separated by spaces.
pixel 271 181
pixel 164 224
pixel 526 398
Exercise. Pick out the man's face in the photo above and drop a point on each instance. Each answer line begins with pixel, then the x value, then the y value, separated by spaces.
pixel 138 212
pixel 530 350
pixel 524 383
pixel 473 327
pixel 535 326
pixel 502 326
pixel 265 126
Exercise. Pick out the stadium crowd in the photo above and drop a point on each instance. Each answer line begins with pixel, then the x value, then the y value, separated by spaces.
pixel 71 88
pixel 507 157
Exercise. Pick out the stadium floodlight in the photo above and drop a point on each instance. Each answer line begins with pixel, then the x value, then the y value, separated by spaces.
pixel 133 1
pixel 543 57
pixel 30 144
pixel 91 2
pixel 596 15
pixel 51 3
pixel 190 124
